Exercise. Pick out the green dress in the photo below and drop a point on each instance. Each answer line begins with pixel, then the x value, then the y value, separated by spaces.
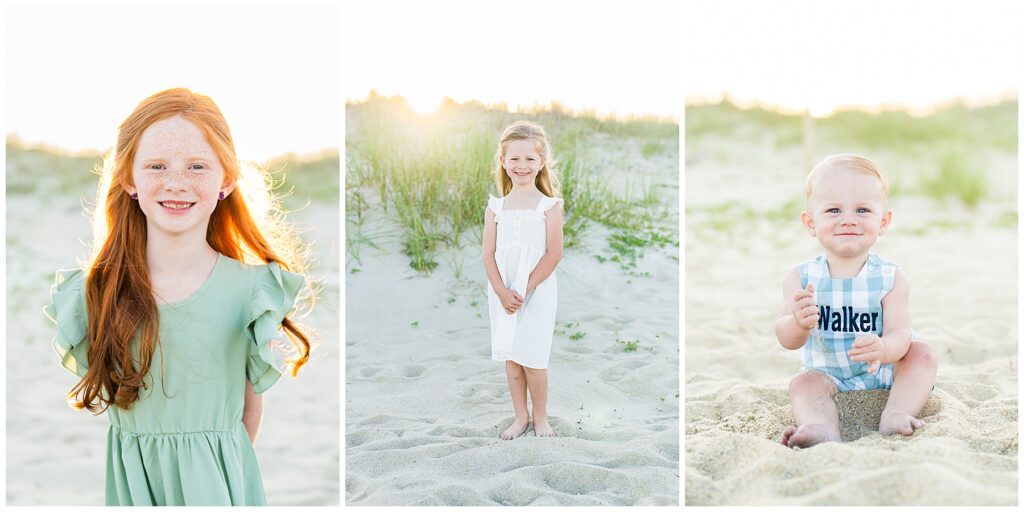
pixel 183 442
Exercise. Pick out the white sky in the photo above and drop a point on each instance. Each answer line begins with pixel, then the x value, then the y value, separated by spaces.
pixel 74 73
pixel 620 59
pixel 823 54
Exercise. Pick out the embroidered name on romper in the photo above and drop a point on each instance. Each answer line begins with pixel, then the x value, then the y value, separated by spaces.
pixel 846 320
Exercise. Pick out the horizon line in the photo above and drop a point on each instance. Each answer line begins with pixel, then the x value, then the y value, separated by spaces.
pixel 519 107
pixel 16 139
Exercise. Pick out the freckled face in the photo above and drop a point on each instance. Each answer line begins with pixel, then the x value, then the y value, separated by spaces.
pixel 847 212
pixel 177 176
pixel 522 162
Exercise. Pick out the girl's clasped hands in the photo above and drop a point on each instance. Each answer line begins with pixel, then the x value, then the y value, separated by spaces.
pixel 510 300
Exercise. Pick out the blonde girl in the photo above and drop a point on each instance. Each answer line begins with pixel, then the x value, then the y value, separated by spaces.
pixel 522 245
pixel 169 324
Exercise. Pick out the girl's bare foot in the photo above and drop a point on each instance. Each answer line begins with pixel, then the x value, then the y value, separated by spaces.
pixel 898 422
pixel 809 435
pixel 516 429
pixel 543 429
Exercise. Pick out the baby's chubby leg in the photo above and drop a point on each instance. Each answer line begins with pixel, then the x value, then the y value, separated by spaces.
pixel 817 419
pixel 913 377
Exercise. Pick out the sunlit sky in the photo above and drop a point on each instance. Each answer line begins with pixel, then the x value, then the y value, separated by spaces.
pixel 615 59
pixel 74 73
pixel 823 55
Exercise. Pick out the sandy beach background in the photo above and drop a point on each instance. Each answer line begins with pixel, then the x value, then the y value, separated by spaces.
pixel 56 455
pixel 424 402
pixel 953 177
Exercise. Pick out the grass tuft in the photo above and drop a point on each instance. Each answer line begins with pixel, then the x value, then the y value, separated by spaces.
pixel 434 172
pixel 957 176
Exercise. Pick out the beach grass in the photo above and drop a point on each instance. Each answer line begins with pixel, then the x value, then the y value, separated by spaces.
pixel 433 173
pixel 992 126
pixel 44 170
pixel 40 170
pixel 942 155
pixel 305 178
pixel 957 175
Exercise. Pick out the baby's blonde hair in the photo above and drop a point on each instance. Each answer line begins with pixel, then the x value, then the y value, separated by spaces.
pixel 858 163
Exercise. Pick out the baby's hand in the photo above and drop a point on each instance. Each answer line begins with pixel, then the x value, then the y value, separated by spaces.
pixel 805 310
pixel 510 300
pixel 868 348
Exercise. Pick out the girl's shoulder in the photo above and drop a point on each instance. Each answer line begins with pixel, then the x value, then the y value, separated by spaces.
pixel 67 297
pixel 271 286
pixel 67 310
pixel 494 204
pixel 548 202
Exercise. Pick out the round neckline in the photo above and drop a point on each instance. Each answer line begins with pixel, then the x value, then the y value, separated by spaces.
pixel 199 292
pixel 862 272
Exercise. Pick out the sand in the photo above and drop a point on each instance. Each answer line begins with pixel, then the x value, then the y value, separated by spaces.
pixel 962 267
pixel 425 402
pixel 56 455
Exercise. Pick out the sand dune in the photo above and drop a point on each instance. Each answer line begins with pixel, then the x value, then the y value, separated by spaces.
pixel 425 403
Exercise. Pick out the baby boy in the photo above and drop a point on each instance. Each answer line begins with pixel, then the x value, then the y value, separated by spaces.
pixel 849 309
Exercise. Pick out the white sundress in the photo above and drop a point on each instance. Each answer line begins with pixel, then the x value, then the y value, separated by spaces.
pixel 525 336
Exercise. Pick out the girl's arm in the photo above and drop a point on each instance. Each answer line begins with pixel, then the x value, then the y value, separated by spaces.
pixel 896 332
pixel 510 300
pixel 252 412
pixel 489 243
pixel 789 332
pixel 548 262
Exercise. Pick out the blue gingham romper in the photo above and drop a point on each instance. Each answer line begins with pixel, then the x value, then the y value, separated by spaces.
pixel 848 308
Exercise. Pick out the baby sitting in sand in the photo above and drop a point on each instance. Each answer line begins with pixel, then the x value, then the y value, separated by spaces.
pixel 850 309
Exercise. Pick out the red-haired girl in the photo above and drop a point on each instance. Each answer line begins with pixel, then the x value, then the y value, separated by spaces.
pixel 170 323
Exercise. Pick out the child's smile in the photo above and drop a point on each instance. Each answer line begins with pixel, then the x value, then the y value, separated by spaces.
pixel 847 212
pixel 522 162
pixel 178 176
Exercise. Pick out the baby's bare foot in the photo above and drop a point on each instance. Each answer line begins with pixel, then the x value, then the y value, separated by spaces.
pixel 898 422
pixel 516 429
pixel 808 435
pixel 543 429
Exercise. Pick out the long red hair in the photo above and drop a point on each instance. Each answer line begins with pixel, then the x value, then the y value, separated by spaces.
pixel 119 296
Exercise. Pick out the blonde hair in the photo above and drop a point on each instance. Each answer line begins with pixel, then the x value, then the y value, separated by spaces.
pixel 853 162
pixel 547 180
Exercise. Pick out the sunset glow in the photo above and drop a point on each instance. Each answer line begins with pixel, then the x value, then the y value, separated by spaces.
pixel 593 55
pixel 74 73
pixel 821 56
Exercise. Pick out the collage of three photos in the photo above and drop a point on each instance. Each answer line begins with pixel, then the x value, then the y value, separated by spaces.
pixel 548 254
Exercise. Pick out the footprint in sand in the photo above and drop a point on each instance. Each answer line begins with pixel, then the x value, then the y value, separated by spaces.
pixel 369 372
pixel 578 349
pixel 617 372
pixel 413 372
pixel 488 391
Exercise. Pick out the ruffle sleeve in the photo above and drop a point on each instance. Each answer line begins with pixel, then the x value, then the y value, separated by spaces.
pixel 274 293
pixel 494 203
pixel 547 203
pixel 67 310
